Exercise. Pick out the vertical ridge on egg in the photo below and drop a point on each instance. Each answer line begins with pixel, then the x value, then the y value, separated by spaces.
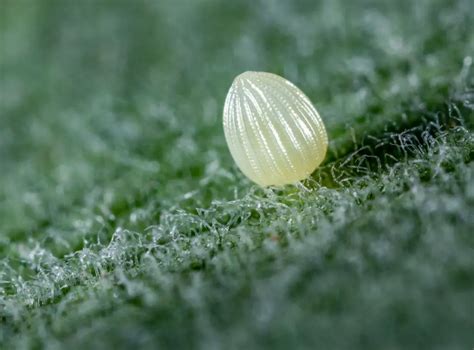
pixel 273 131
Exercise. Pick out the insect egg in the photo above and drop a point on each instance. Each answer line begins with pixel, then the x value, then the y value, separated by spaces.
pixel 273 131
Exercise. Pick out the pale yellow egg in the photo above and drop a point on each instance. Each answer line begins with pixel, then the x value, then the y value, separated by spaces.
pixel 273 131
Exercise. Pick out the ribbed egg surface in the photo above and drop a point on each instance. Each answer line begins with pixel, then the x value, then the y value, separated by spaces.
pixel 273 131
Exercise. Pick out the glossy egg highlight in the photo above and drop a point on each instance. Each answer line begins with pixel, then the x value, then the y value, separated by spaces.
pixel 273 131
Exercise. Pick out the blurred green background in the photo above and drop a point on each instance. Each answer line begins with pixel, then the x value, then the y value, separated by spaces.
pixel 124 222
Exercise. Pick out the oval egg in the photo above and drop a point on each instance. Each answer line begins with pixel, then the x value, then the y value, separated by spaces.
pixel 273 131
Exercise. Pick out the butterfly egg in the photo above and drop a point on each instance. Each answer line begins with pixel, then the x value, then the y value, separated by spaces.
pixel 273 131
